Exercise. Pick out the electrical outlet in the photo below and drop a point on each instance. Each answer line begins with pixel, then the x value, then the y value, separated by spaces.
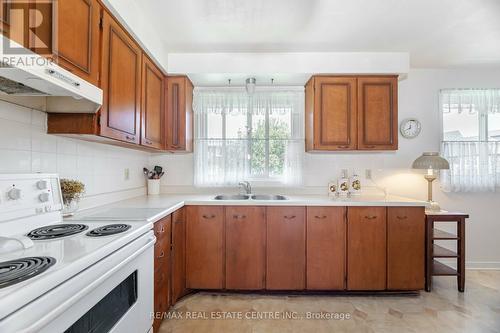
pixel 368 174
pixel 126 174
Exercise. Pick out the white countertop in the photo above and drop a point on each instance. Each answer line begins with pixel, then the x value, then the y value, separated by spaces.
pixel 154 207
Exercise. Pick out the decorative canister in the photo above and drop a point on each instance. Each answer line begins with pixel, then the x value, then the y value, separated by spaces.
pixel 332 189
pixel 343 184
pixel 355 184
pixel 153 186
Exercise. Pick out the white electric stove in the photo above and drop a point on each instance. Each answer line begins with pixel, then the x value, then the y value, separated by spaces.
pixel 60 276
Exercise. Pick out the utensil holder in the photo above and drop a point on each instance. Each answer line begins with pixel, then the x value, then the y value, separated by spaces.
pixel 153 186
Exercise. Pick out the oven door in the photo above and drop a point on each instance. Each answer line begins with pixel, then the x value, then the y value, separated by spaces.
pixel 114 295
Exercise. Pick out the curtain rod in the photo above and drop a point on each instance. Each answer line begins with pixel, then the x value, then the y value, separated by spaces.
pixel 258 88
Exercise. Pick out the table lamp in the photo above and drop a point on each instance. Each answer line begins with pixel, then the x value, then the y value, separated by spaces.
pixel 431 161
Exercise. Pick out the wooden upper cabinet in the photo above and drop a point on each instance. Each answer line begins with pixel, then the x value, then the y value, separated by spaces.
pixel 326 248
pixel 77 38
pixel 366 248
pixel 152 116
pixel 121 83
pixel 405 248
pixel 351 113
pixel 286 248
pixel 378 113
pixel 205 247
pixel 331 113
pixel 179 116
pixel 245 247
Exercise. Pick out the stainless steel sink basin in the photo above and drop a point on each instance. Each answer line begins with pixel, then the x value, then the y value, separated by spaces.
pixel 232 197
pixel 268 197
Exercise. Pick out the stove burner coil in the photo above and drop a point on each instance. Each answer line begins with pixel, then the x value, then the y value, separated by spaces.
pixel 56 231
pixel 107 230
pixel 15 271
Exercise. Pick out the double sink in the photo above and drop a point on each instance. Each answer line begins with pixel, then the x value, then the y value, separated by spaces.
pixel 264 197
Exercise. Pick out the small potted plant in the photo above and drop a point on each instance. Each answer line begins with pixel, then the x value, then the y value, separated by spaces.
pixel 72 191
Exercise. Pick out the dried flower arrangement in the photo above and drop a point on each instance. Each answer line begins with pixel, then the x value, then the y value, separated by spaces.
pixel 71 190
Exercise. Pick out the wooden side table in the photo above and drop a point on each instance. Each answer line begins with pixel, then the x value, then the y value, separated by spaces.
pixel 434 267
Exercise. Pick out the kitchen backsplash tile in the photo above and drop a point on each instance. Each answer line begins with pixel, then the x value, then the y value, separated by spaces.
pixel 25 147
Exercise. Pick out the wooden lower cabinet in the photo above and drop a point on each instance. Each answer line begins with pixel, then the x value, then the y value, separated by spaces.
pixel 178 255
pixel 162 299
pixel 366 248
pixel 205 247
pixel 245 247
pixel 286 248
pixel 405 248
pixel 326 248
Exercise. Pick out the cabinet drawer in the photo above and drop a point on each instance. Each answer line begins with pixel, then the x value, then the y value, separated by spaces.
pixel 162 252
pixel 162 227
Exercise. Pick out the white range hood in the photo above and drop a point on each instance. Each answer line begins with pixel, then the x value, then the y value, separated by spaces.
pixel 31 80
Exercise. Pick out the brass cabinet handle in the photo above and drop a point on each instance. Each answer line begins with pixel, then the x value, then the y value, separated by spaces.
pixel 342 147
pixel 289 217
pixel 162 229
pixel 148 142
pixel 130 138
pixel 320 217
pixel 370 146
pixel 370 217
pixel 239 216
pixel 208 216
pixel 402 217
pixel 162 254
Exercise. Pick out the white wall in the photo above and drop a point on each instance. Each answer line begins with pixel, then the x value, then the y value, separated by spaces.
pixel 418 97
pixel 26 148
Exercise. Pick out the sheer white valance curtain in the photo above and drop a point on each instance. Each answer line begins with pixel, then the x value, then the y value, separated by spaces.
pixel 474 165
pixel 221 161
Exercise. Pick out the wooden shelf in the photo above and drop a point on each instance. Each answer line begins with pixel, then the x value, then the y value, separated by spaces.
pixel 440 234
pixel 440 269
pixel 441 252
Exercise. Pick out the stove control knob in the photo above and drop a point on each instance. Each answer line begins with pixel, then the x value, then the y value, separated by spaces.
pixel 42 185
pixel 14 194
pixel 44 197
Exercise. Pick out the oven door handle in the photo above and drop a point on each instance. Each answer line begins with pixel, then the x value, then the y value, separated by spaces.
pixel 90 287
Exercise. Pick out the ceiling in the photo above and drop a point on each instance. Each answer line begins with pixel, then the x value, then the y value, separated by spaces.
pixel 437 34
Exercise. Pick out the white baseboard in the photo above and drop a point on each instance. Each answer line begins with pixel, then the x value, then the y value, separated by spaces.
pixel 473 265
pixel 483 265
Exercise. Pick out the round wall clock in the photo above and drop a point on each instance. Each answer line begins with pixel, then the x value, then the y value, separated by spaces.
pixel 410 128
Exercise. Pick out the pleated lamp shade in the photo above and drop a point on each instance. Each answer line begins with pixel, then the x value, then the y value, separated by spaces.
pixel 431 160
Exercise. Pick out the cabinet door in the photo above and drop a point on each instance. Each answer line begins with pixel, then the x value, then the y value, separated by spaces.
pixel 179 122
pixel 152 105
pixel 205 247
pixel 77 38
pixel 286 248
pixel 378 113
pixel 326 248
pixel 121 84
pixel 405 248
pixel 335 113
pixel 245 247
pixel 366 248
pixel 178 255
